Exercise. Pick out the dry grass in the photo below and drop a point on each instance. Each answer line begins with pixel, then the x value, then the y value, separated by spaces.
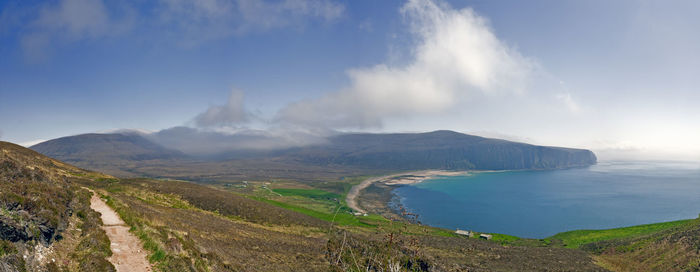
pixel 183 236
pixel 672 249
pixel 42 210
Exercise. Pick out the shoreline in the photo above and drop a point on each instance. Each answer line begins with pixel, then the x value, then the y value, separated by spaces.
pixel 399 179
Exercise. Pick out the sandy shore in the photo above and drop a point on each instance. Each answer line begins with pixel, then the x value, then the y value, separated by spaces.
pixel 396 179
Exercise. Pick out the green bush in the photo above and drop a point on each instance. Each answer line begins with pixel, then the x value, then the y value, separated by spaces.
pixel 7 247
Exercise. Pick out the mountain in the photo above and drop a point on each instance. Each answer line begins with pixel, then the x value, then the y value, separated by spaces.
pixel 130 155
pixel 110 153
pixel 105 147
pixel 438 150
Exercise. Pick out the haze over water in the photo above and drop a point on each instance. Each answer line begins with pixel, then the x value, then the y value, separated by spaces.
pixel 538 204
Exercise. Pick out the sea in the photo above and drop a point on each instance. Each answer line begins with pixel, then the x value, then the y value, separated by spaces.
pixel 538 204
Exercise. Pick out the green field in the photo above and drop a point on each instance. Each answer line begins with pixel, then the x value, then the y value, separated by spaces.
pixel 308 193
pixel 340 218
pixel 577 238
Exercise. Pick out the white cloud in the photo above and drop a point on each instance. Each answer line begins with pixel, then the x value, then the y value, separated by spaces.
pixel 456 56
pixel 75 18
pixel 31 143
pixel 366 25
pixel 231 113
pixel 262 14
pixel 201 20
pixel 69 21
pixel 213 141
pixel 569 102
pixel 187 22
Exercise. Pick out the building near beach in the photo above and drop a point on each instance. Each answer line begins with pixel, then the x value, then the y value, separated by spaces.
pixel 464 232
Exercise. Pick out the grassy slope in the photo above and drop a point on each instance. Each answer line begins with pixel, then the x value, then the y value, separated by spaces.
pixel 356 239
pixel 343 218
pixel 634 248
pixel 192 227
pixel 184 231
pixel 671 248
pixel 188 236
pixel 577 238
pixel 38 196
pixel 308 193
pixel 331 207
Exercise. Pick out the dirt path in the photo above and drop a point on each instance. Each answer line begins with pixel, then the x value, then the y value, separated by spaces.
pixel 127 253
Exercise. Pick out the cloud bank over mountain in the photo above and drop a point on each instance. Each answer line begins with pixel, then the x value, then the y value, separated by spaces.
pixel 456 60
pixel 455 55
pixel 231 113
pixel 615 76
pixel 457 66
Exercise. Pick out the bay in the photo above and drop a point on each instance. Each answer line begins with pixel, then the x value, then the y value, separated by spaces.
pixel 538 204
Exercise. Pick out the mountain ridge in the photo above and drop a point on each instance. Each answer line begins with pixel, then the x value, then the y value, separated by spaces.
pixel 443 149
pixel 338 155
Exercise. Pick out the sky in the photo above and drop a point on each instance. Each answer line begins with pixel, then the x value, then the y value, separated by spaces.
pixel 617 77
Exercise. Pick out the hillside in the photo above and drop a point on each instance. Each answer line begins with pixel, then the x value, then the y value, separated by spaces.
pixel 667 246
pixel 45 217
pixel 438 150
pixel 105 147
pixel 191 227
pixel 342 155
pixel 281 225
pixel 111 153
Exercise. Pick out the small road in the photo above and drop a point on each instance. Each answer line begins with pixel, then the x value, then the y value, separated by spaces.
pixel 127 253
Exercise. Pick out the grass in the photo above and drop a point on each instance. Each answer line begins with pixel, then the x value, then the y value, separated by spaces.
pixel 157 254
pixel 180 236
pixel 314 199
pixel 178 222
pixel 41 203
pixel 503 238
pixel 6 247
pixel 577 238
pixel 341 218
pixel 308 193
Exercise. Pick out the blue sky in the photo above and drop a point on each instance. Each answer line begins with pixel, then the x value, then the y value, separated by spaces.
pixel 619 77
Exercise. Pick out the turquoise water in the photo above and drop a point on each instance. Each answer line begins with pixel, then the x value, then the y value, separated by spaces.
pixel 538 204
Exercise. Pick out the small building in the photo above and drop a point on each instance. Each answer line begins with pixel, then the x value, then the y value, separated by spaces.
pixel 464 232
pixel 485 236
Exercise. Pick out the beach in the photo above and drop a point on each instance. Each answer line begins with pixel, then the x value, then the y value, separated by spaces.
pixel 399 179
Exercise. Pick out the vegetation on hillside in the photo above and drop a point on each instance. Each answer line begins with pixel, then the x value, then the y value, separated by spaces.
pixel 46 223
pixel 674 246
pixel 287 225
pixel 578 238
pixel 183 233
pixel 196 236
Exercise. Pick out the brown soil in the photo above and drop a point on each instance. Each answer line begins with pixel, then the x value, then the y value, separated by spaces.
pixel 127 251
